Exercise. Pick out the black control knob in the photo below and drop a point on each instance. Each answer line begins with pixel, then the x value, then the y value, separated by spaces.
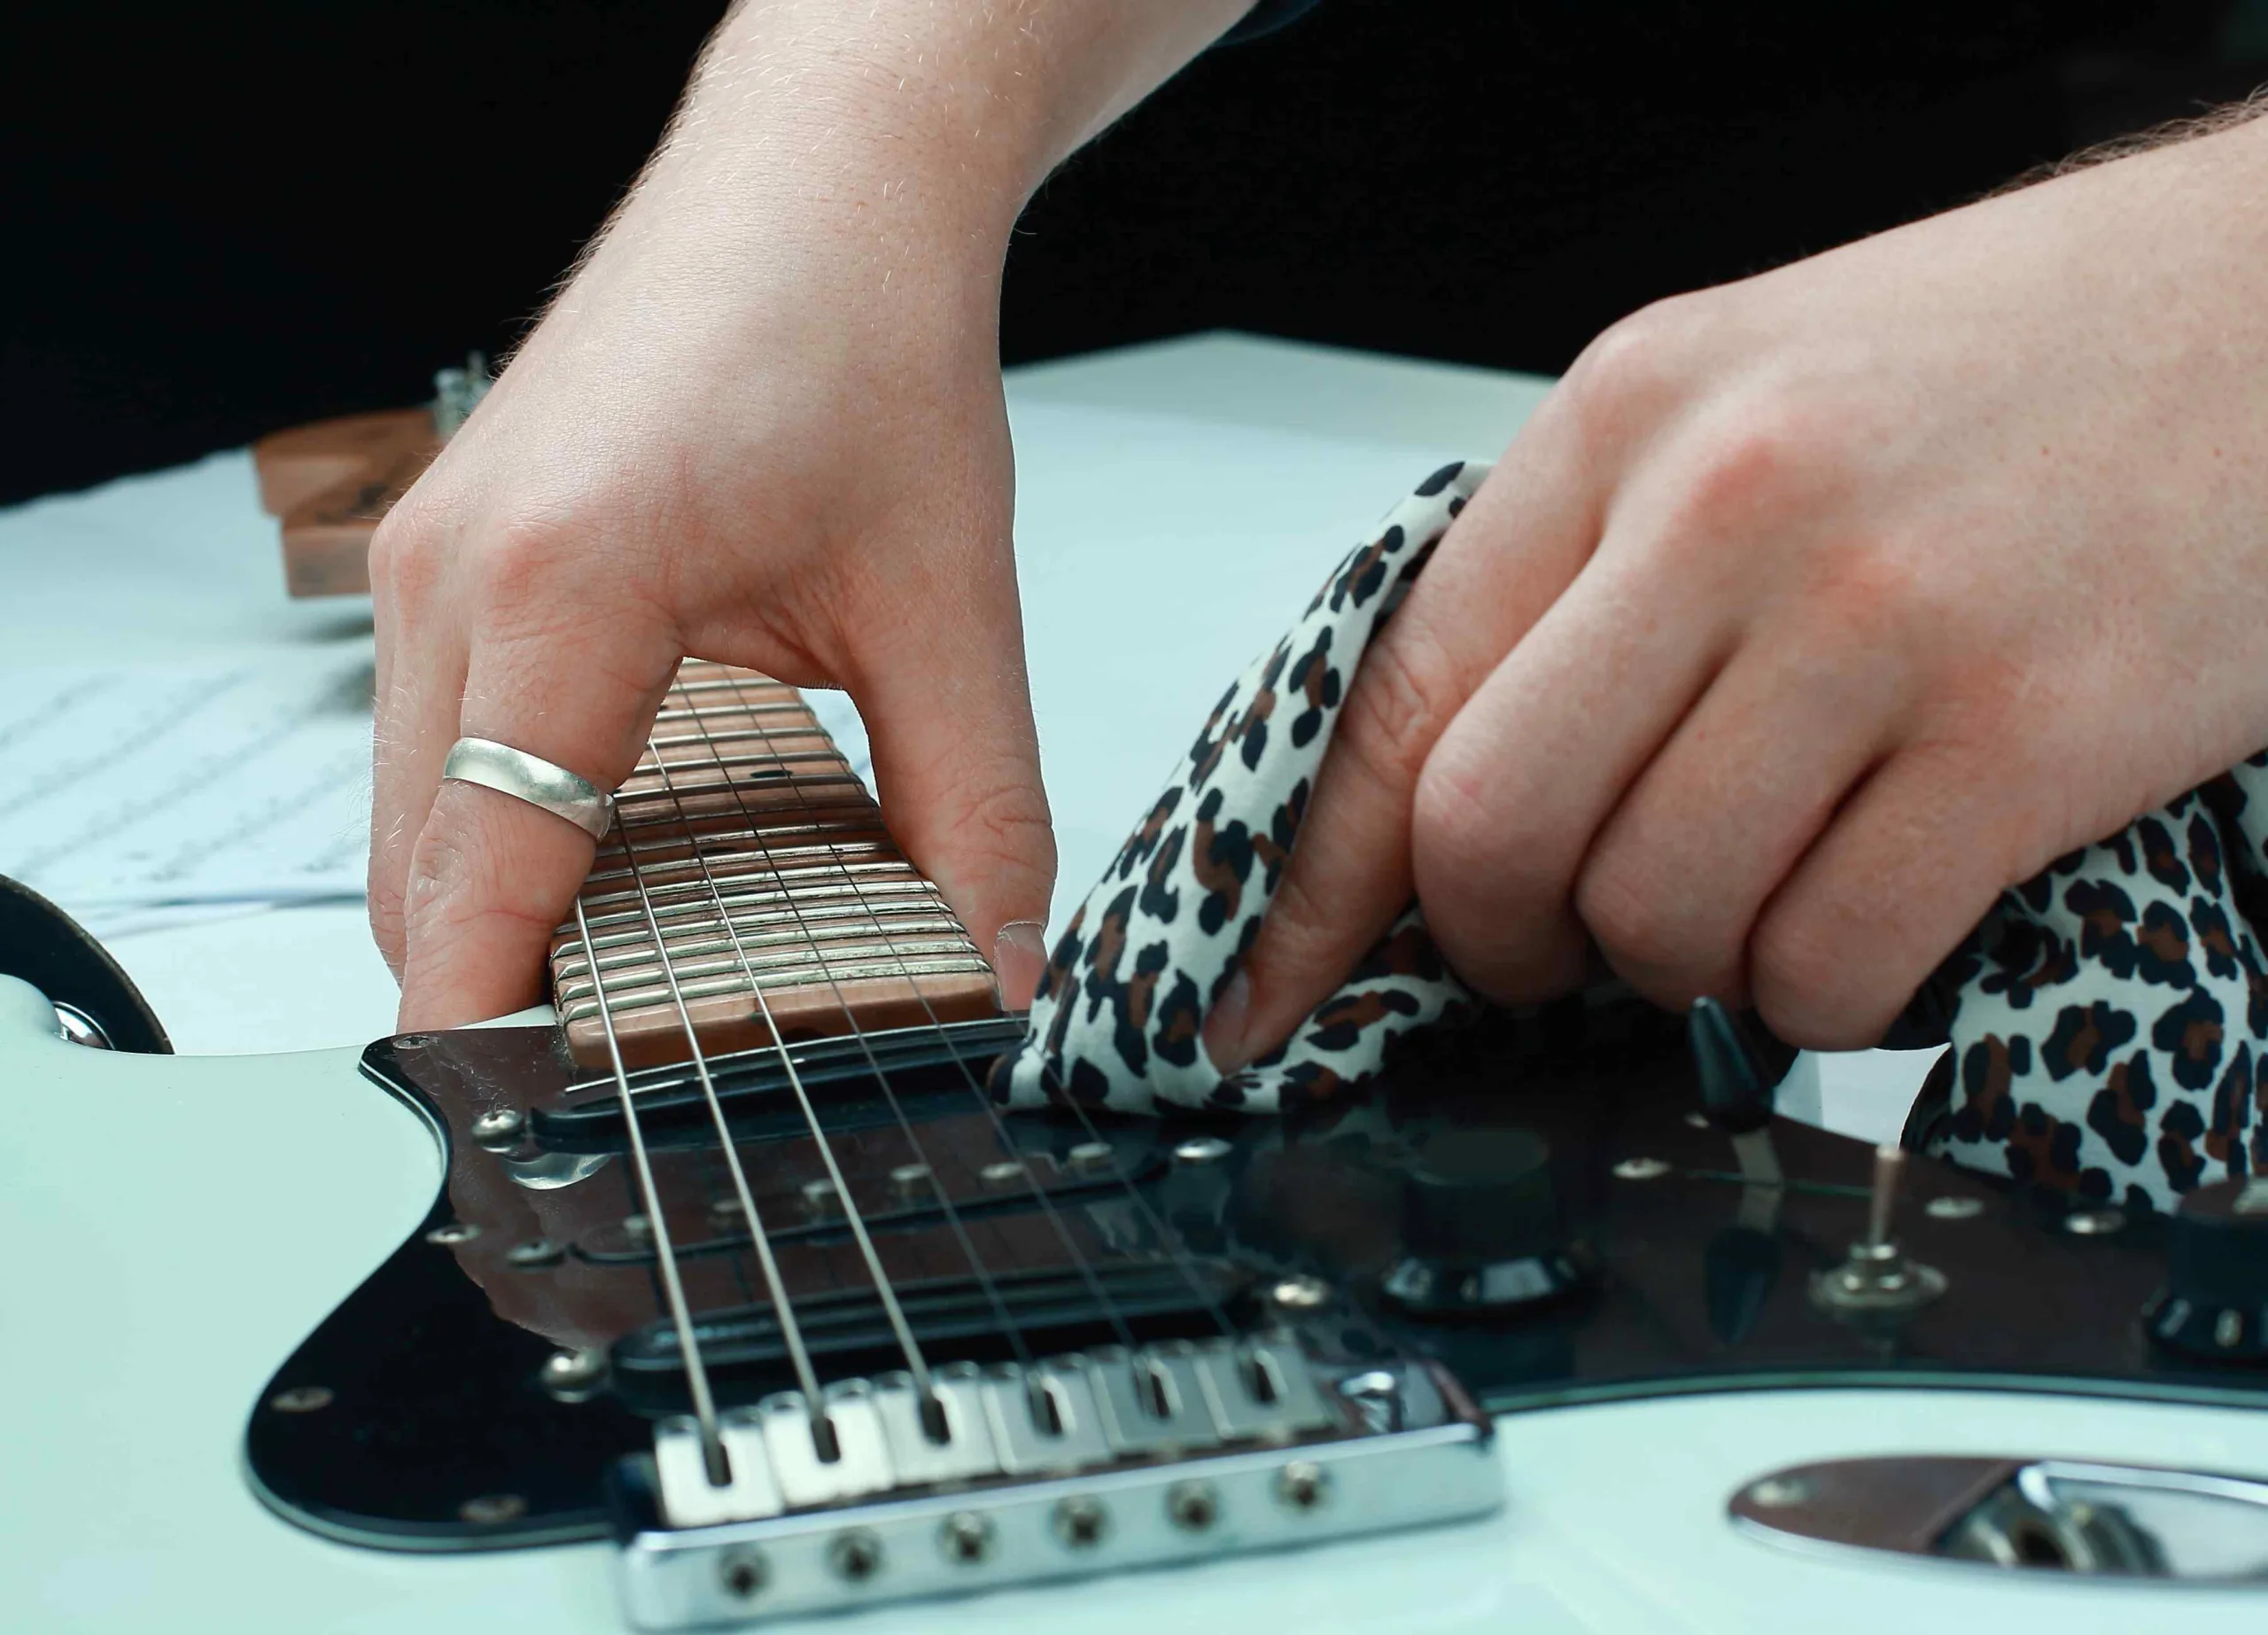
pixel 1482 1227
pixel 2215 1304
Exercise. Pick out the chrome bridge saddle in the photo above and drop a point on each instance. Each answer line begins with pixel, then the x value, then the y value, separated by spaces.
pixel 1082 1463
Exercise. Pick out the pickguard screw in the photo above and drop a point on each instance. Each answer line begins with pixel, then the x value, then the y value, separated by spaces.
pixel 572 1373
pixel 1951 1208
pixel 1302 1485
pixel 534 1254
pixel 855 1555
pixel 455 1231
pixel 302 1399
pixel 493 1509
pixel 741 1573
pixel 1081 1523
pixel 1641 1169
pixel 499 1126
pixel 2093 1223
pixel 1778 1493
pixel 1002 1173
pixel 1202 1150
pixel 412 1041
pixel 1193 1506
pixel 2228 1329
pixel 1301 1293
pixel 965 1536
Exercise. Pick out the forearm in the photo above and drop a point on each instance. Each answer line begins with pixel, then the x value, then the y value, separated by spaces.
pixel 931 121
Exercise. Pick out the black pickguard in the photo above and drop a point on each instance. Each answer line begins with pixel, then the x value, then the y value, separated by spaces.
pixel 417 1416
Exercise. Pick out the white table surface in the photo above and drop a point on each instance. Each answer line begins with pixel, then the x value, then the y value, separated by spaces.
pixel 1243 464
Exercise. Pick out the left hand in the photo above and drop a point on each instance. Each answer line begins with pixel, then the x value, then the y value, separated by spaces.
pixel 1811 612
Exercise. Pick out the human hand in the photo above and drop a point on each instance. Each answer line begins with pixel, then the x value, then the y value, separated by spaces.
pixel 762 424
pixel 1811 612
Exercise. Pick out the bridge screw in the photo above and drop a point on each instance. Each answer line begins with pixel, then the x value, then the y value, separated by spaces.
pixel 741 1572
pixel 965 1536
pixel 1193 1506
pixel 1302 1485
pixel 855 1555
pixel 1081 1523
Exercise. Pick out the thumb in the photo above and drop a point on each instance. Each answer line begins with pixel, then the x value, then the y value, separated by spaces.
pixel 948 713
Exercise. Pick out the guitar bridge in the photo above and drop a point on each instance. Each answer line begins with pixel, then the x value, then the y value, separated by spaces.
pixel 1012 1474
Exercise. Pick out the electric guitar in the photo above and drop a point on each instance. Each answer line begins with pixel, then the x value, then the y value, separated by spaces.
pixel 738 1290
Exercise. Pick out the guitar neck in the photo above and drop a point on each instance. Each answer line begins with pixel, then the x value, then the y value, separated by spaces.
pixel 749 894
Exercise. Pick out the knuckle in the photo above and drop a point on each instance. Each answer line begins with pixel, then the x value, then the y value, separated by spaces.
pixel 1633 364
pixel 1299 951
pixel 1395 712
pixel 1636 927
pixel 1006 836
pixel 515 561
pixel 1798 970
pixel 1455 835
pixel 1764 459
pixel 386 923
pixel 409 551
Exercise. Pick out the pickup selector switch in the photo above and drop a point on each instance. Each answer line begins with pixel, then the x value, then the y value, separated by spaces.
pixel 2215 1304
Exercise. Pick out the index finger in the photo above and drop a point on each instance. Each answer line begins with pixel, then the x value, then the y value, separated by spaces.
pixel 1518 542
pixel 491 876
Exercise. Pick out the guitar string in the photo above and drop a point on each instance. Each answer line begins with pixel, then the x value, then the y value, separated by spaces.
pixel 959 1228
pixel 791 1333
pixel 917 1364
pixel 1121 1329
pixel 696 1372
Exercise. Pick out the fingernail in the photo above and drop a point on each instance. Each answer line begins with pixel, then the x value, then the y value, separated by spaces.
pixel 1223 1032
pixel 1019 961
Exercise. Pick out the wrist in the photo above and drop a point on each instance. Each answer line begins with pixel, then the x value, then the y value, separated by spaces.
pixel 933 121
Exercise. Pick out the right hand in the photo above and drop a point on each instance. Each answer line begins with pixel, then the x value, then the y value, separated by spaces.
pixel 763 424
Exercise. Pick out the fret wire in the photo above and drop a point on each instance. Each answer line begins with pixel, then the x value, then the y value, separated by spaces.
pixel 682 939
pixel 781 952
pixel 952 1215
pixel 867 823
pixel 728 786
pixel 749 735
pixel 695 712
pixel 781 970
pixel 890 872
pixel 820 894
pixel 916 1363
pixel 761 907
pixel 696 1372
pixel 768 857
pixel 930 949
pixel 750 866
pixel 1170 1239
pixel 579 1004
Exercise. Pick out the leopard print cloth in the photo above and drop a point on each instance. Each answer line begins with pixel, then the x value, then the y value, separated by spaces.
pixel 2107 1020
pixel 1132 977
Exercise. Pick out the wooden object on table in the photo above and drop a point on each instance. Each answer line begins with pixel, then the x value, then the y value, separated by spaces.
pixel 757 852
pixel 331 483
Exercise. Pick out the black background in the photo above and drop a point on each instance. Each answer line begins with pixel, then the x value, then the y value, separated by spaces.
pixel 217 219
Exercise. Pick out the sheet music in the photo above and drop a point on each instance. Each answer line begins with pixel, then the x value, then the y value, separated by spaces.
pixel 141 790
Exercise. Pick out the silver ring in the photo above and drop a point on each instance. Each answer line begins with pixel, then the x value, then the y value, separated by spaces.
pixel 533 779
